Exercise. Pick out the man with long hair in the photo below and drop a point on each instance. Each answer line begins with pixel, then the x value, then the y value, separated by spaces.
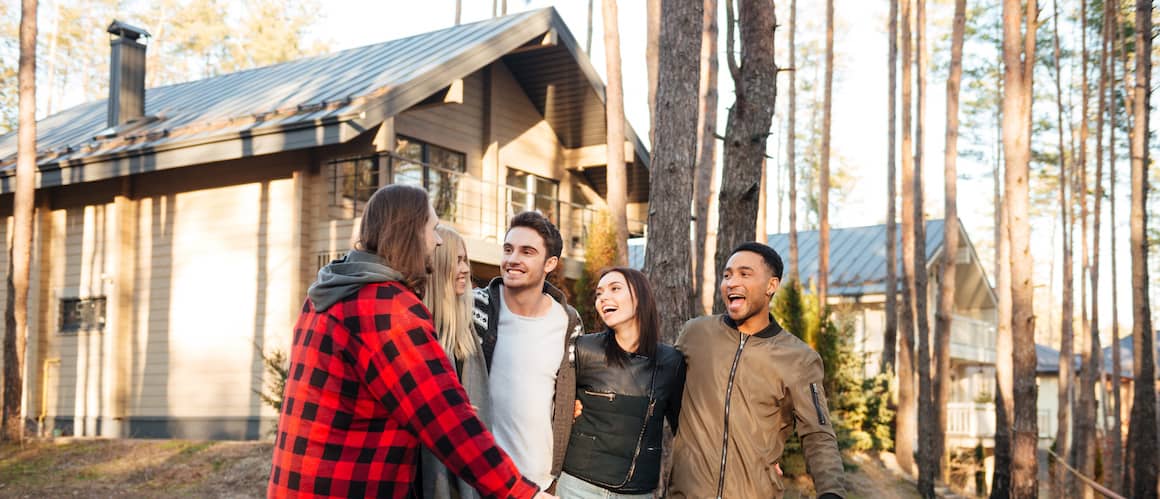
pixel 528 330
pixel 368 381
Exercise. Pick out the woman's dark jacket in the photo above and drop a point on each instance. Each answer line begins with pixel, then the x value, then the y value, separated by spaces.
pixel 616 441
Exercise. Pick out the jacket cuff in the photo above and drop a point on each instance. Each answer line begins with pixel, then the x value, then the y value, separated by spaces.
pixel 524 488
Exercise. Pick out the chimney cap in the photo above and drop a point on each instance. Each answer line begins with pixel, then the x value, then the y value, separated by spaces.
pixel 126 30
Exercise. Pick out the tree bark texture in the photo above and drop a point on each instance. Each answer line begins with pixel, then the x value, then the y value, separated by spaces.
pixel 704 183
pixel 927 463
pixel 1001 483
pixel 1067 307
pixel 755 82
pixel 1142 440
pixel 906 429
pixel 16 314
pixel 1115 465
pixel 824 167
pixel 1019 59
pixel 942 338
pixel 791 143
pixel 616 174
pixel 890 333
pixel 667 258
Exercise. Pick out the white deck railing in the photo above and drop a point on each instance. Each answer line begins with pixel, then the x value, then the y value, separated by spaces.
pixel 970 419
pixel 972 340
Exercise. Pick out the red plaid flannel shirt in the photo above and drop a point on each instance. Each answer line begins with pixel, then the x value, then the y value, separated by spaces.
pixel 368 383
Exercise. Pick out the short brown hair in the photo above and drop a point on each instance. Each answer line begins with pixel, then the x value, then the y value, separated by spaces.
pixel 553 243
pixel 392 228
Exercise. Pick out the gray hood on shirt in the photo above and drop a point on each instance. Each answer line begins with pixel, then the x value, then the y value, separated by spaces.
pixel 345 276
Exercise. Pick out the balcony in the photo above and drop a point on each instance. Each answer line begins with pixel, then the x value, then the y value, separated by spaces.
pixel 970 423
pixel 972 340
pixel 477 208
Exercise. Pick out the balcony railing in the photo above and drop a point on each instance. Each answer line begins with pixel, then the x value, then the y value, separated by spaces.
pixel 970 419
pixel 481 209
pixel 972 340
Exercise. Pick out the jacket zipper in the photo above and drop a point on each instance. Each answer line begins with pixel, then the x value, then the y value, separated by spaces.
pixel 608 396
pixel 725 437
pixel 639 442
pixel 817 403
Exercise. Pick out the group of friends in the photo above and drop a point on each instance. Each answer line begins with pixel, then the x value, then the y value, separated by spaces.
pixel 405 382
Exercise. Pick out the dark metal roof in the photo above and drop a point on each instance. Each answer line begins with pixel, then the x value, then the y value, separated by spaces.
pixel 1047 358
pixel 355 86
pixel 857 256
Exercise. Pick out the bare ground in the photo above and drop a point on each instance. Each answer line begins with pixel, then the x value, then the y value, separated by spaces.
pixel 136 468
pixel 103 468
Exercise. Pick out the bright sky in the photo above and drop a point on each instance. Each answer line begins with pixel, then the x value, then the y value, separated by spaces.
pixel 859 110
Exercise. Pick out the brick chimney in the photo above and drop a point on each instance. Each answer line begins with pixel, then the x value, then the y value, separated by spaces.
pixel 126 73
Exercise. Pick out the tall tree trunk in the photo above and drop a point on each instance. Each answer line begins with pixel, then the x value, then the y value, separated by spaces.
pixel 704 182
pixel 667 257
pixel 652 36
pixel 890 335
pixel 1004 404
pixel 791 142
pixel 616 173
pixel 1116 461
pixel 1078 431
pixel 1002 484
pixel 759 227
pixel 1087 443
pixel 588 38
pixel 1142 441
pixel 824 167
pixel 747 128
pixel 906 430
pixel 1019 62
pixel 942 344
pixel 459 11
pixel 927 465
pixel 1067 315
pixel 16 316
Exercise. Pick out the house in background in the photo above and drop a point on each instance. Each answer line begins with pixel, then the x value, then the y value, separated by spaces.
pixel 178 227
pixel 1047 378
pixel 857 286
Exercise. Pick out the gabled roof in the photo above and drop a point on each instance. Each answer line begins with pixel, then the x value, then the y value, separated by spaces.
pixel 320 100
pixel 857 255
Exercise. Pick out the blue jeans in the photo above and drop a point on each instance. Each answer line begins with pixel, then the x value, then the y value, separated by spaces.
pixel 570 487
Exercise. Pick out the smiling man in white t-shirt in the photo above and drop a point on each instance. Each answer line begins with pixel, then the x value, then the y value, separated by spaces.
pixel 528 328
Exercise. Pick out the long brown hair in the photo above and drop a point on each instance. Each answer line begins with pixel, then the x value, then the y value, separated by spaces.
pixel 647 319
pixel 392 227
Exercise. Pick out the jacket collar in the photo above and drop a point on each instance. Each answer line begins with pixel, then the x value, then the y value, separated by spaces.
pixel 769 332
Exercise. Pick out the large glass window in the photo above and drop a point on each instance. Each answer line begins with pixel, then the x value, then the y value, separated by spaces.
pixel 531 192
pixel 434 168
pixel 353 182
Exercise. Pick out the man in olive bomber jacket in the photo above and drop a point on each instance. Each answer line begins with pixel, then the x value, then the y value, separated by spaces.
pixel 748 385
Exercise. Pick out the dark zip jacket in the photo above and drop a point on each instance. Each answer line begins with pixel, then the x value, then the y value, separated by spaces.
pixel 616 441
pixel 744 395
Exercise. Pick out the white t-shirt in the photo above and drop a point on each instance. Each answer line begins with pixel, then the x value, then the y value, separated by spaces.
pixel 523 387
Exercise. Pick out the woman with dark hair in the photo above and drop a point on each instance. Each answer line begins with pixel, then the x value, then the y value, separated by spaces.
pixel 369 382
pixel 627 383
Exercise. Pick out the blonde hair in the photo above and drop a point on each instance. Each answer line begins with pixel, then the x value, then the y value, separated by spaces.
pixel 450 313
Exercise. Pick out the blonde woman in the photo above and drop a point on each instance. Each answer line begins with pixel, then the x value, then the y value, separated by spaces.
pixel 450 303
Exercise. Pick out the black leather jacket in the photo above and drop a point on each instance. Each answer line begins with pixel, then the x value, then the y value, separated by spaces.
pixel 616 441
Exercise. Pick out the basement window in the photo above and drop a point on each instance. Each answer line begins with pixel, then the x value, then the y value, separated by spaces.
pixel 79 315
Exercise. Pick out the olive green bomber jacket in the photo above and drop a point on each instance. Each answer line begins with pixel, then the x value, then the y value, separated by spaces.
pixel 744 394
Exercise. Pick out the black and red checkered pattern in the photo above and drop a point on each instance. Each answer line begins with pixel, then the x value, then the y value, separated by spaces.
pixel 368 384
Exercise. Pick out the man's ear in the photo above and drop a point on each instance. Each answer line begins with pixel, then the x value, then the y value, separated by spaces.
pixel 774 283
pixel 551 263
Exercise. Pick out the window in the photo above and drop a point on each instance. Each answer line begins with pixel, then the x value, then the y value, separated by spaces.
pixel 82 314
pixel 353 182
pixel 531 192
pixel 434 168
